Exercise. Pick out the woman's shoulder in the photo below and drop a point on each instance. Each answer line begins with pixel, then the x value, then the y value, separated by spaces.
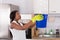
pixel 14 22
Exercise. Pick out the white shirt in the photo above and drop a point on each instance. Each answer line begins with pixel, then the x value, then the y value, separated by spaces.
pixel 18 34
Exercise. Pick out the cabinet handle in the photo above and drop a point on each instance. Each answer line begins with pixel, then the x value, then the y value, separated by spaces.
pixel 53 11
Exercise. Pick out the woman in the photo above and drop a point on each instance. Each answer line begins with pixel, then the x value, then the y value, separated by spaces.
pixel 16 28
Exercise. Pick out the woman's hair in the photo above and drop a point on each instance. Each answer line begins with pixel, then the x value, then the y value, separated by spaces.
pixel 12 15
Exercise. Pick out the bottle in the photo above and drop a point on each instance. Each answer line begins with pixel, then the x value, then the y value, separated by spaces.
pixel 51 32
pixel 45 32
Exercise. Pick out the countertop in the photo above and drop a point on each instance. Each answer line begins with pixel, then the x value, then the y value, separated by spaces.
pixel 38 38
pixel 53 37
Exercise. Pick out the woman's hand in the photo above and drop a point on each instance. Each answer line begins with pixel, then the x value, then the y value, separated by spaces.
pixel 33 19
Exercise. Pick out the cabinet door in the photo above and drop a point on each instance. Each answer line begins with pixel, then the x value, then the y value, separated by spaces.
pixel 40 6
pixel 54 6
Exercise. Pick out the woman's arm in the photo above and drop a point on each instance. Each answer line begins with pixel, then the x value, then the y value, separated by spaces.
pixel 15 26
pixel 28 25
pixel 19 27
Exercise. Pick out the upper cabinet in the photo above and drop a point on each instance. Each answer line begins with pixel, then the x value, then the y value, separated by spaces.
pixel 54 6
pixel 40 6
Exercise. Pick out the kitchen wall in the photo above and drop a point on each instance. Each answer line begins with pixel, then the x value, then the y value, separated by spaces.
pixel 53 23
pixel 25 18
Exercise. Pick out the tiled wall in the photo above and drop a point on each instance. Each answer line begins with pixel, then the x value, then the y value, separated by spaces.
pixel 53 23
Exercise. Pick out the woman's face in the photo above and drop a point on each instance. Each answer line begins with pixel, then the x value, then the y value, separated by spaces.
pixel 17 17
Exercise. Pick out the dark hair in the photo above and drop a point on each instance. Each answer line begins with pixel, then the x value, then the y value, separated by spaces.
pixel 12 15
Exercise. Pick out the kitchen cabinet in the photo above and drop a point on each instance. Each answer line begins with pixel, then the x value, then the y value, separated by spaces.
pixel 40 6
pixel 54 6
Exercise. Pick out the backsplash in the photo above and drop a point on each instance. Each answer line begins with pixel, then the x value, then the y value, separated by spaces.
pixel 53 23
